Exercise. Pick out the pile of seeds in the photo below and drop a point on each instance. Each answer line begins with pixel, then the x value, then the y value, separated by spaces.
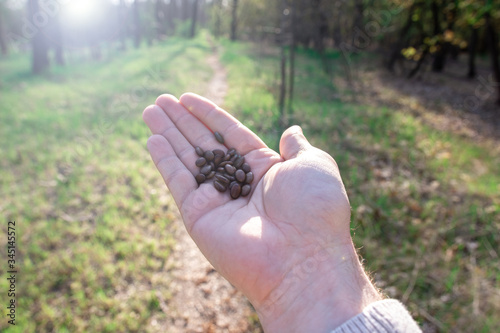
pixel 228 170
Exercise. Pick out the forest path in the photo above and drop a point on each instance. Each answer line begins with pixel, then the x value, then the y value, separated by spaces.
pixel 202 300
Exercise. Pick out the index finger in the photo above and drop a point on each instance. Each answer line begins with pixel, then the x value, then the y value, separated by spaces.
pixel 235 133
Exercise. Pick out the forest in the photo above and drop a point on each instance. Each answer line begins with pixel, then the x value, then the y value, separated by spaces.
pixel 404 94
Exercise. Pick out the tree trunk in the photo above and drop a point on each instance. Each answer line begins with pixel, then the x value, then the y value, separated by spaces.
pixel 160 19
pixel 194 18
pixel 172 16
pixel 217 24
pixel 3 41
pixel 234 20
pixel 396 51
pixel 137 24
pixel 291 78
pixel 358 20
pixel 283 42
pixel 39 41
pixel 493 42
pixel 122 19
pixel 472 54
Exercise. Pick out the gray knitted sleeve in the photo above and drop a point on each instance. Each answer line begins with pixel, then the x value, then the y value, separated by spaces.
pixel 387 315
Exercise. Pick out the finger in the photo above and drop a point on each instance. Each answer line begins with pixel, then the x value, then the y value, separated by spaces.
pixel 160 123
pixel 191 127
pixel 293 142
pixel 177 177
pixel 235 133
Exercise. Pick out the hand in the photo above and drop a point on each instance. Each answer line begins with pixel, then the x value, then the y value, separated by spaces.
pixel 287 245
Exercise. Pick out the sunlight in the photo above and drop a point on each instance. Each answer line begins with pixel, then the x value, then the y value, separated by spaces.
pixel 77 11
pixel 252 228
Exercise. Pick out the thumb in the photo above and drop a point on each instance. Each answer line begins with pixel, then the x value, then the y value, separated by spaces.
pixel 293 142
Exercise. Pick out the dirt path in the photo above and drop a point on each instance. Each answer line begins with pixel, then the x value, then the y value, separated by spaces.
pixel 201 300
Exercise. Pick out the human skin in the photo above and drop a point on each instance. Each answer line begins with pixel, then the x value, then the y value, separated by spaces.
pixel 287 245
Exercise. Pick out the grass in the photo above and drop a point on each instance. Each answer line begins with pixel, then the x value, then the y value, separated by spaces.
pixel 425 203
pixel 91 211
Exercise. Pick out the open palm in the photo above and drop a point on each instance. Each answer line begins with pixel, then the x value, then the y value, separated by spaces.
pixel 297 206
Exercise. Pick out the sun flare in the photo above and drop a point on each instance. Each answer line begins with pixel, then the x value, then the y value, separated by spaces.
pixel 77 11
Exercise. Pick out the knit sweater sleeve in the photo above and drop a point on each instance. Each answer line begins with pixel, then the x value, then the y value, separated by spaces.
pixel 383 316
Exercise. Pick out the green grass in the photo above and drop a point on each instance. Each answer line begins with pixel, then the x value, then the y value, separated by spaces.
pixel 425 203
pixel 91 211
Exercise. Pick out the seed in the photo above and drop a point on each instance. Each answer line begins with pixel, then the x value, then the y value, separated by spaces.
pixel 245 167
pixel 211 174
pixel 218 159
pixel 219 187
pixel 200 178
pixel 219 137
pixel 220 169
pixel 230 169
pixel 240 175
pixel 209 155
pixel 221 179
pixel 222 164
pixel 231 151
pixel 239 162
pixel 198 151
pixel 249 178
pixel 232 183
pixel 235 191
pixel 218 152
pixel 245 190
pixel 231 178
pixel 227 157
pixel 200 162
pixel 206 169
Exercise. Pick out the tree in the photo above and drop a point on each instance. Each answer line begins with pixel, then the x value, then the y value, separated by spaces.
pixel 493 43
pixel 137 24
pixel 3 38
pixel 234 20
pixel 39 42
pixel 194 18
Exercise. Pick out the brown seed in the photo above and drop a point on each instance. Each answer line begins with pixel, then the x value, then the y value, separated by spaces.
pixel 245 190
pixel 219 187
pixel 240 175
pixel 232 183
pixel 231 151
pixel 245 167
pixel 230 169
pixel 239 162
pixel 235 191
pixel 209 155
pixel 220 169
pixel 218 152
pixel 221 179
pixel 249 178
pixel 231 178
pixel 198 151
pixel 206 169
pixel 217 160
pixel 200 178
pixel 200 162
pixel 222 164
pixel 219 137
pixel 211 174
pixel 227 157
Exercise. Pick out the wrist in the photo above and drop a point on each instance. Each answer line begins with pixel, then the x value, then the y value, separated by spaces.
pixel 319 294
